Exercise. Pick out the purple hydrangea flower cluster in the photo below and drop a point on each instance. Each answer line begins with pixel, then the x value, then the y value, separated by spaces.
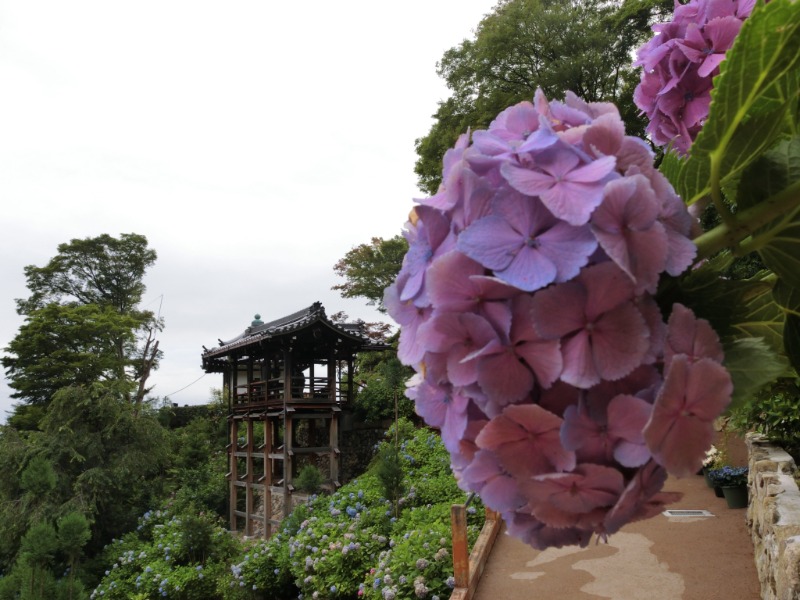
pixel 526 307
pixel 679 63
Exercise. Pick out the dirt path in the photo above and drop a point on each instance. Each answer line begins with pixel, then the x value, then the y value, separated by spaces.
pixel 696 558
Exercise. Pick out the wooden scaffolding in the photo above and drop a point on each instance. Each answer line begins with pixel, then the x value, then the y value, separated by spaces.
pixel 286 382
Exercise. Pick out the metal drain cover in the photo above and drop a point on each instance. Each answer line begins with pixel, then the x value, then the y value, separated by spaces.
pixel 687 513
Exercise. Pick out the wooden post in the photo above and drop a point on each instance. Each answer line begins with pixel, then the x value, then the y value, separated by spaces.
pixel 333 440
pixel 288 467
pixel 333 384
pixel 233 471
pixel 267 494
pixel 350 379
pixel 249 389
pixel 458 522
pixel 248 506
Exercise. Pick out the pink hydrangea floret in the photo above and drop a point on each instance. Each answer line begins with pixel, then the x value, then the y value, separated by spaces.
pixel 679 64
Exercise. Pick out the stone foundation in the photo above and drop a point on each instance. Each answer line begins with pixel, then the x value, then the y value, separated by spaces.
pixel 773 517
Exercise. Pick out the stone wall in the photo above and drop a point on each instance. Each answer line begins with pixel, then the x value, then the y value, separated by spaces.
pixel 774 519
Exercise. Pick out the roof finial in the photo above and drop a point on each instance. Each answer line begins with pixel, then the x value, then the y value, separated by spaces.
pixel 257 321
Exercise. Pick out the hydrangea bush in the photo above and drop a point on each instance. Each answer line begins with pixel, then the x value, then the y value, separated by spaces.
pixel 537 298
pixel 418 562
pixel 333 547
pixel 169 556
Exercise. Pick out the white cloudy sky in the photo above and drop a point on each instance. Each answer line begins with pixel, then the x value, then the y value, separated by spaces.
pixel 252 142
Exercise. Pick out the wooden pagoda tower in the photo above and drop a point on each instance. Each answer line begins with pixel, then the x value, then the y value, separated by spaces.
pixel 286 382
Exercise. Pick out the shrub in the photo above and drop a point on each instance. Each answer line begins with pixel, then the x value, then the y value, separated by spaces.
pixel 309 479
pixel 179 556
pixel 264 572
pixel 775 413
pixel 331 548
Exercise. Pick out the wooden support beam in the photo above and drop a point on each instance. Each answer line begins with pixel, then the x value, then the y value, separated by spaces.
pixel 233 472
pixel 287 430
pixel 249 508
pixel 334 448
pixel 267 478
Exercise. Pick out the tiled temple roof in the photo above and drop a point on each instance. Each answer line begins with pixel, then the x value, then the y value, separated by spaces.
pixel 291 324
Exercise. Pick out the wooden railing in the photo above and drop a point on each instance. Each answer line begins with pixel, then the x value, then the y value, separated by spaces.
pixel 316 388
pixel 468 566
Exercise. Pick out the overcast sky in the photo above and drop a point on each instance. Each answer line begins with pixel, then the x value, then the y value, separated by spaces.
pixel 252 142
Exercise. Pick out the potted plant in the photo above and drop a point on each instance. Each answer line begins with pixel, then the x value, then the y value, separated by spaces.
pixel 733 482
pixel 710 462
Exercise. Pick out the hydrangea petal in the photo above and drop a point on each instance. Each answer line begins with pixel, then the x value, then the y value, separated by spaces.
pixel 680 429
pixel 641 498
pixel 526 439
pixel 587 487
pixel 690 336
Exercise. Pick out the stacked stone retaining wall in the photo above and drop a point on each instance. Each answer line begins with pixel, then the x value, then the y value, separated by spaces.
pixel 773 517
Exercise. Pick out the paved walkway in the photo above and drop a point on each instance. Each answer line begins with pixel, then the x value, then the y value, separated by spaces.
pixel 697 558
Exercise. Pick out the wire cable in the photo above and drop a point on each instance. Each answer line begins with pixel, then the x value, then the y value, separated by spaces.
pixel 186 386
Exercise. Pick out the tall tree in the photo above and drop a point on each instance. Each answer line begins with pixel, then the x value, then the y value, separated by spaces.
pixel 369 268
pixel 111 465
pixel 83 324
pixel 63 345
pixel 584 46
pixel 104 270
pixel 73 533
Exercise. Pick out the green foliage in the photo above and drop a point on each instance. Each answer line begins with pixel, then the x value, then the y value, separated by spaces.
pixel 26 417
pixel 110 463
pixel 778 244
pixel 426 468
pixel 82 326
pixel 746 160
pixel 10 585
pixel 266 567
pixel 368 269
pixel 419 564
pixel 309 479
pixel 522 45
pixel 203 486
pixel 73 533
pixel 756 89
pixel 102 271
pixel 382 386
pixel 775 412
pixel 37 550
pixel 38 478
pixel 41 553
pixel 39 544
pixel 337 545
pixel 181 416
pixel 745 314
pixel 184 555
pixel 59 346
pixel 389 471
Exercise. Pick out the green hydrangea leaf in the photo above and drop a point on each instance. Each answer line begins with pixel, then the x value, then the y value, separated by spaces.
pixel 787 297
pixel 777 171
pixel 760 316
pixel 736 308
pixel 752 364
pixel 753 95
pixel 791 339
